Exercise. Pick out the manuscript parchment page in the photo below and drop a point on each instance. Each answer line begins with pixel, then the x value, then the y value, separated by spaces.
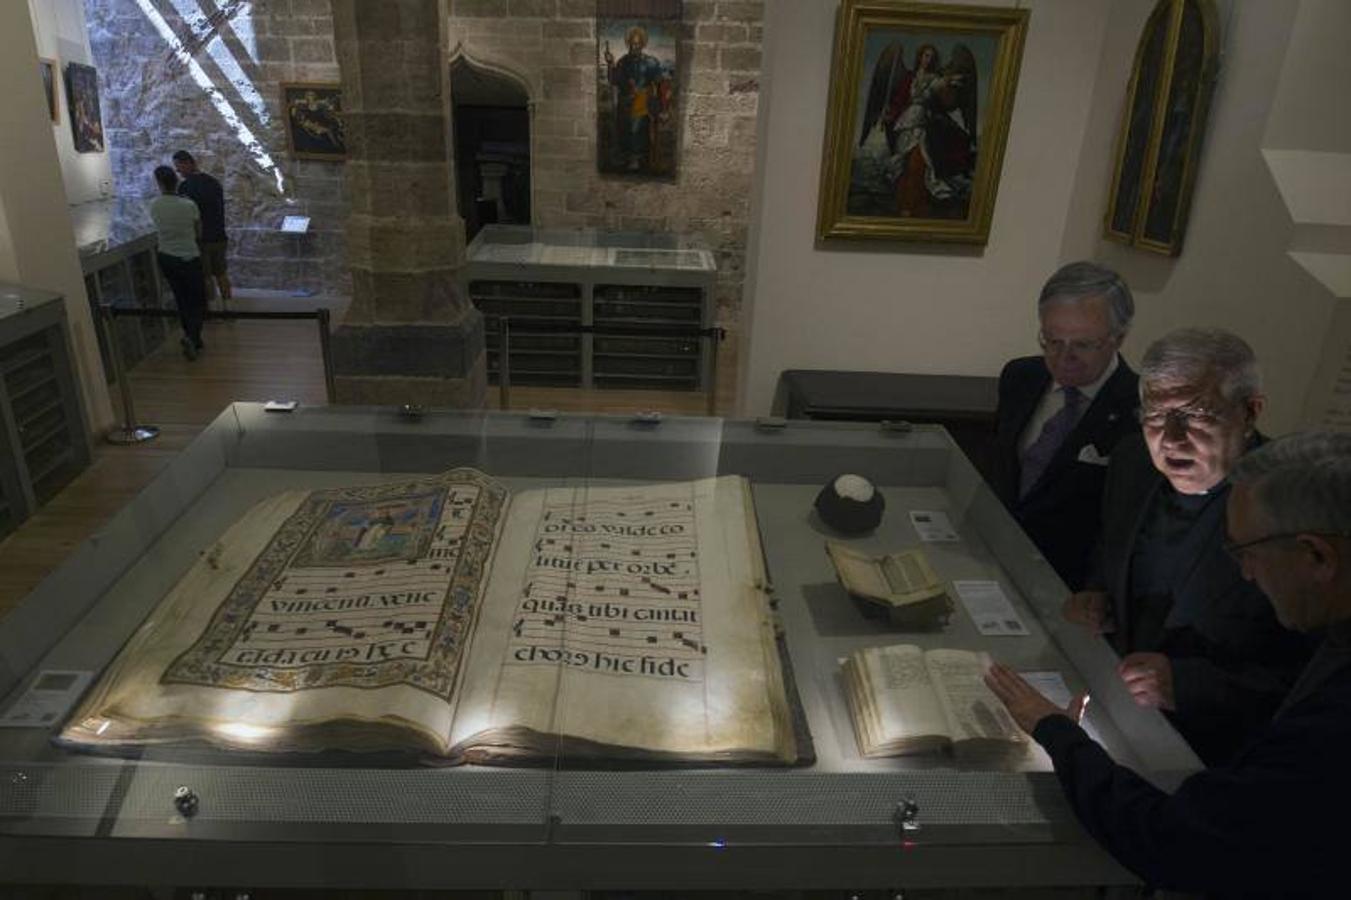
pixel 629 617
pixel 316 616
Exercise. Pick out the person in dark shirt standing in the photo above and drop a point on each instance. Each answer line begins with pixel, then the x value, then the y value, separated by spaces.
pixel 1197 640
pixel 209 196
pixel 1273 819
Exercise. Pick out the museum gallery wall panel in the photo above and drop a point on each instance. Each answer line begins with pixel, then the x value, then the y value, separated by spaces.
pixel 930 310
pixel 918 308
pixel 1235 270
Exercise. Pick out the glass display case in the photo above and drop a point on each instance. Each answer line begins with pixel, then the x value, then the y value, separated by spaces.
pixel 571 818
pixel 593 308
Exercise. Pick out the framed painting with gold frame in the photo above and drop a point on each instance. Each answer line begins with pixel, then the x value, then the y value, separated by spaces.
pixel 1161 126
pixel 312 113
pixel 48 68
pixel 920 100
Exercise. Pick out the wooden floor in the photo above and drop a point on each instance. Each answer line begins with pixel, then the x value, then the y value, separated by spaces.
pixel 246 360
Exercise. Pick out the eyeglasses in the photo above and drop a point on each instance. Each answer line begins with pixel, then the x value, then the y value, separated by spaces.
pixel 1237 551
pixel 1190 418
pixel 1056 346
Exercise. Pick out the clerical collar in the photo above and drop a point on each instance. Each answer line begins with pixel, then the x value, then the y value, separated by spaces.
pixel 1090 391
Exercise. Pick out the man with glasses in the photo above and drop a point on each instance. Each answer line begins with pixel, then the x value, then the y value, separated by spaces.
pixel 1061 414
pixel 1273 819
pixel 1197 640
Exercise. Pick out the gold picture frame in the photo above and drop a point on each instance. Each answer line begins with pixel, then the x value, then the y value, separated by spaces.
pixel 920 100
pixel 312 116
pixel 48 69
pixel 1162 125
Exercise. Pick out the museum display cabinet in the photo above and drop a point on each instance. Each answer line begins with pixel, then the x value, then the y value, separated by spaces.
pixel 568 817
pixel 117 245
pixel 43 444
pixel 594 309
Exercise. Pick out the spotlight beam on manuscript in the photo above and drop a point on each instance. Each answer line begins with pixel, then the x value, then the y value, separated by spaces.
pixel 241 131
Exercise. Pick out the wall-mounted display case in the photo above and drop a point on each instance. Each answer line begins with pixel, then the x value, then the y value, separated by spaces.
pixel 566 821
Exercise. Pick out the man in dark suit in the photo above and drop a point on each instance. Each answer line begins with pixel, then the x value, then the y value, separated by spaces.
pixel 1198 641
pixel 1061 414
pixel 1273 819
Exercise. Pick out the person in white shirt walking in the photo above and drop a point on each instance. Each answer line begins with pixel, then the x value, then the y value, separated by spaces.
pixel 178 223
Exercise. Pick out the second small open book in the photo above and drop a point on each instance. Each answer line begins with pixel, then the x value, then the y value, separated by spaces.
pixel 906 700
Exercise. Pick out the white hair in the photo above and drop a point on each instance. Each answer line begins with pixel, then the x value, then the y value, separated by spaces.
pixel 1302 482
pixel 1082 280
pixel 1192 355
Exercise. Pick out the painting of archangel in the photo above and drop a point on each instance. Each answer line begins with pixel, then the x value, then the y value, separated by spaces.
pixel 920 133
pixel 918 117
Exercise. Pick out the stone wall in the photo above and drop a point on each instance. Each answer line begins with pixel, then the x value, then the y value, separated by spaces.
pixel 154 105
pixel 551 45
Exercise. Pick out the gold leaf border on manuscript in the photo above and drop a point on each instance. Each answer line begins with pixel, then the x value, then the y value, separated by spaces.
pixel 201 663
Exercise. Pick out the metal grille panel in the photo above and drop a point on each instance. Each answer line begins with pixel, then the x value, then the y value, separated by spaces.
pixel 72 793
pixel 763 798
pixel 342 796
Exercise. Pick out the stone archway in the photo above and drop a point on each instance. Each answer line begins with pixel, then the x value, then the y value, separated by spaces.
pixel 491 143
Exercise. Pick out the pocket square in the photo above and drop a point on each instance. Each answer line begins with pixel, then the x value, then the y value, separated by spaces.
pixel 1089 454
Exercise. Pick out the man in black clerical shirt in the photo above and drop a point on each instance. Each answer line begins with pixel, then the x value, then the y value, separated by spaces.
pixel 209 196
pixel 1198 641
pixel 1271 820
pixel 1061 414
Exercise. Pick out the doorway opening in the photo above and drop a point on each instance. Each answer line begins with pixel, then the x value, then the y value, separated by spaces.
pixel 491 118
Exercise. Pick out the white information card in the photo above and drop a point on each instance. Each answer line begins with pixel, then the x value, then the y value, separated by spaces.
pixel 989 608
pixel 47 700
pixel 933 525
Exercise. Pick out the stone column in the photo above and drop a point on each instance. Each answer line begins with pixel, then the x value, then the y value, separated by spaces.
pixel 410 335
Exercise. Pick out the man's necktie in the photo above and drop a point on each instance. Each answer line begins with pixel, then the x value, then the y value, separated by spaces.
pixel 1038 455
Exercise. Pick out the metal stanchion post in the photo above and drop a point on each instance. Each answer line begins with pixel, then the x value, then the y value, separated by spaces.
pixel 503 366
pixel 711 389
pixel 130 432
pixel 326 353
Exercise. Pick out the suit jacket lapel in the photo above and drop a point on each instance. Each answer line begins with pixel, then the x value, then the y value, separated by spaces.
pixel 1029 401
pixel 1148 490
pixel 1214 518
pixel 1105 406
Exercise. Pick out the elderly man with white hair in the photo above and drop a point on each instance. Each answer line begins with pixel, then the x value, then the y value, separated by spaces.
pixel 1197 640
pixel 1273 818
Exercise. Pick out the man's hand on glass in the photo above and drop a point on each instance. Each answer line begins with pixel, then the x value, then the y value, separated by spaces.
pixel 1026 704
pixel 1091 609
pixel 1149 678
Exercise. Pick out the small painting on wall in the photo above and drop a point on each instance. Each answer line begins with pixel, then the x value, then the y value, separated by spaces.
pixel 47 69
pixel 920 101
pixel 636 87
pixel 313 115
pixel 82 99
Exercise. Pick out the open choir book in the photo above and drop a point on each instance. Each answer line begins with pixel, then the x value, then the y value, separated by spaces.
pixel 905 700
pixel 443 615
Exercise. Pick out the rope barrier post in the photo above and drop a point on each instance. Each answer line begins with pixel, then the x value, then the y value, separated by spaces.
pixel 130 432
pixel 322 315
pixel 715 336
pixel 503 366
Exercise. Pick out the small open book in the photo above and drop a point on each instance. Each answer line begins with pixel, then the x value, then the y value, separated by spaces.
pixel 902 585
pixel 905 700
